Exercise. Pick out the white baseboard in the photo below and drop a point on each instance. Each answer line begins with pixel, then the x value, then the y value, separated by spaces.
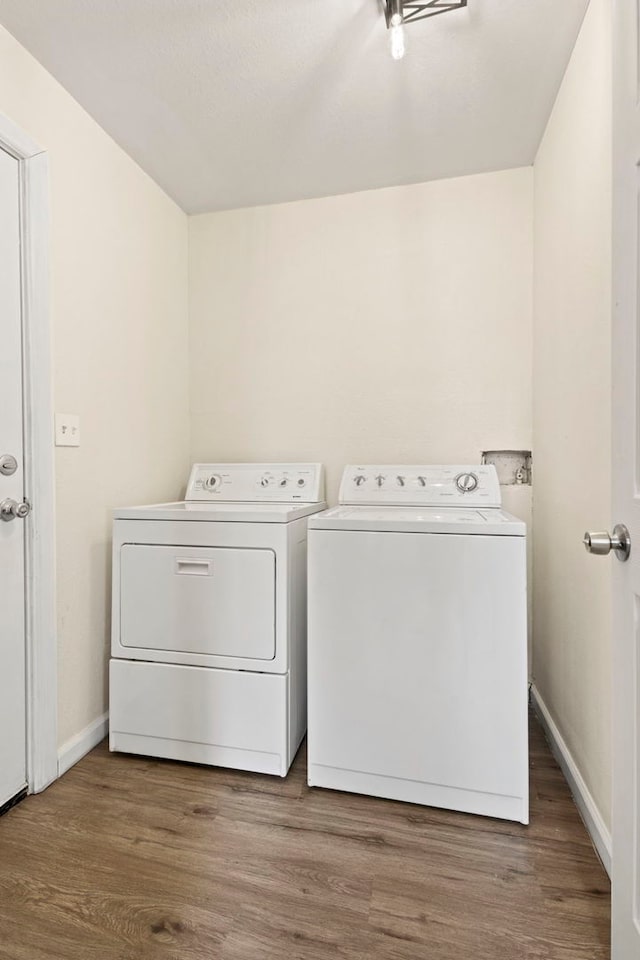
pixel 76 747
pixel 585 803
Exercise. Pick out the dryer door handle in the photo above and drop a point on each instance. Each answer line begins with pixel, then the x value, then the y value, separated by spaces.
pixel 192 567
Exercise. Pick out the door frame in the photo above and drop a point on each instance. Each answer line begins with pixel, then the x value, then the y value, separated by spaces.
pixel 40 620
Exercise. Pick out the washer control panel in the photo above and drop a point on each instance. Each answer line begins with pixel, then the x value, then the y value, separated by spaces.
pixel 251 482
pixel 402 485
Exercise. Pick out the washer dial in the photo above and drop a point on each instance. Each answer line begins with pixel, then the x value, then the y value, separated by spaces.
pixel 213 482
pixel 466 482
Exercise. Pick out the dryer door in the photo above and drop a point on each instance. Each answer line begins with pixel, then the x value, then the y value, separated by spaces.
pixel 200 600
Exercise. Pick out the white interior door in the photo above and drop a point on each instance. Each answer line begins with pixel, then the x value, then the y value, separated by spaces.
pixel 626 481
pixel 12 531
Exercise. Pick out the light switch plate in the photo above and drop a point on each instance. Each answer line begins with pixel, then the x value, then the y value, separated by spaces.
pixel 67 430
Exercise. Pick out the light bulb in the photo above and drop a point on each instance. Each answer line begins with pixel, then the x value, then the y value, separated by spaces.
pixel 397 39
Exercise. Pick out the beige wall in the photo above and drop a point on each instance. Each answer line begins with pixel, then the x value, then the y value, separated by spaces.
pixel 391 325
pixel 572 406
pixel 119 316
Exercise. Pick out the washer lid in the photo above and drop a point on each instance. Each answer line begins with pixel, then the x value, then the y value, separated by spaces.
pixel 488 522
pixel 220 512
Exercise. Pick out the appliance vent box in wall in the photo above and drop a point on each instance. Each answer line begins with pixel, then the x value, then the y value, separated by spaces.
pixel 512 466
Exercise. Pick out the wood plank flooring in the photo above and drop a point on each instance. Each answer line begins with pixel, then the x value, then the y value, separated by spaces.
pixel 127 858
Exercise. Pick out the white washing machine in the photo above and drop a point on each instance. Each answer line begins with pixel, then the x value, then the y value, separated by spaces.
pixel 209 618
pixel 418 641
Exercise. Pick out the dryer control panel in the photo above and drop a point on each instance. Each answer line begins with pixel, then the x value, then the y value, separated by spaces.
pixel 256 482
pixel 403 485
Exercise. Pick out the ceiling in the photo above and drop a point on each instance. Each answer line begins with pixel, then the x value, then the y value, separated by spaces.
pixel 231 104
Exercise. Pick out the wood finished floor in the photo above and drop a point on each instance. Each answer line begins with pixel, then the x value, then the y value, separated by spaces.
pixel 127 858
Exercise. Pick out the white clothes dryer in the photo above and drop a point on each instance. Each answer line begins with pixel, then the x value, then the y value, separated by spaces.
pixel 209 618
pixel 418 641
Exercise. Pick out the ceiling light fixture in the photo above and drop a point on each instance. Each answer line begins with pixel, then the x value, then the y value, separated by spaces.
pixel 395 25
pixel 400 12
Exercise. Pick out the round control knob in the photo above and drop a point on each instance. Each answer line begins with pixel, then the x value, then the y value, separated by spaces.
pixel 379 479
pixel 212 482
pixel 284 482
pixel 359 480
pixel 301 481
pixel 466 482
pixel 264 481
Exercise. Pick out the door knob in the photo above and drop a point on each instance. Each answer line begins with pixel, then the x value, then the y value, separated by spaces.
pixel 10 509
pixel 603 543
